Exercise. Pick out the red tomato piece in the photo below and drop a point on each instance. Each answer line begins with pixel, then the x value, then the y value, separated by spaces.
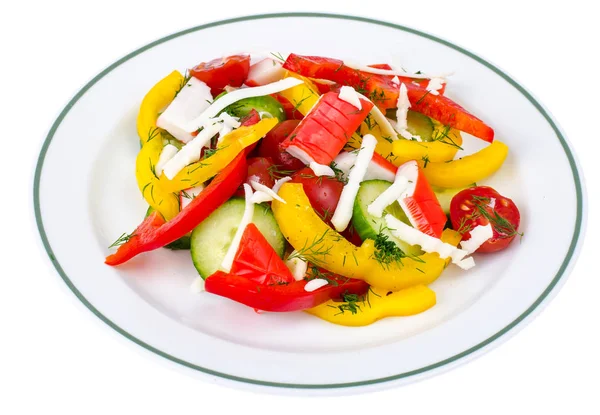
pixel 218 73
pixel 291 113
pixel 256 260
pixel 322 192
pixel 261 169
pixel 482 205
pixel 270 147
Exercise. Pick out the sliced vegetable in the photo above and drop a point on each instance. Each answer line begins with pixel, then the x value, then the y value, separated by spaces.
pixel 266 106
pixel 270 147
pixel 261 169
pixel 322 192
pixel 376 304
pixel 231 145
pixel 221 72
pixel 482 205
pixel 211 239
pixel 180 244
pixel 278 297
pixel 303 97
pixel 369 226
pixel 256 260
pixel 372 262
pixel 154 232
pixel 161 94
pixel 444 196
pixel 379 168
pixel 467 170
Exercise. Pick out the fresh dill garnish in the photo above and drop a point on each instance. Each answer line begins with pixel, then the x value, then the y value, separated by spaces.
pixel 500 224
pixel 444 137
pixel 326 215
pixel 426 161
pixel 339 173
pixel 423 97
pixel 276 173
pixel 370 122
pixel 183 82
pixel 124 238
pixel 314 272
pixel 153 133
pixel 386 251
pixel 186 195
pixel 278 56
pixel 350 304
pixel 464 226
pixel 315 251
pixel 387 138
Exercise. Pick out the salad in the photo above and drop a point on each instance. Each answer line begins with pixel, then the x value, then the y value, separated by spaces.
pixel 307 183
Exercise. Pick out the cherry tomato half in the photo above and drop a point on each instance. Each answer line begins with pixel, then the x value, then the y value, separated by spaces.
pixel 270 147
pixel 218 73
pixel 482 205
pixel 322 192
pixel 261 169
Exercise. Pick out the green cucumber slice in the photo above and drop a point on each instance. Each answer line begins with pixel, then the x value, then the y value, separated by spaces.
pixel 211 239
pixel 444 196
pixel 418 124
pixel 264 104
pixel 369 226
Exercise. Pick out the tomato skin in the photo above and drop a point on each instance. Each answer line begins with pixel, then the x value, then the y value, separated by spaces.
pixel 322 192
pixel 463 205
pixel 218 73
pixel 261 168
pixel 270 146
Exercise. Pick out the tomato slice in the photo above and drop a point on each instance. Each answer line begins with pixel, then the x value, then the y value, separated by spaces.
pixel 218 73
pixel 270 147
pixel 322 192
pixel 482 205
pixel 262 170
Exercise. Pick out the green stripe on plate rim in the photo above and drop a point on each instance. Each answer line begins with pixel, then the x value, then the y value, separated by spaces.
pixel 559 274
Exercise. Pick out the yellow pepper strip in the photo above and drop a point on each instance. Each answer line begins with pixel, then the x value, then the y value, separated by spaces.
pixel 156 99
pixel 304 96
pixel 231 145
pixel 400 151
pixel 323 246
pixel 376 305
pixel 467 170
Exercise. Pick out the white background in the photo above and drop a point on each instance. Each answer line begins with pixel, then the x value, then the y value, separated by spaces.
pixel 56 356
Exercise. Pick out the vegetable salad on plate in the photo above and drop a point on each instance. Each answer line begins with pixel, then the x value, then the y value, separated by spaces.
pixel 307 183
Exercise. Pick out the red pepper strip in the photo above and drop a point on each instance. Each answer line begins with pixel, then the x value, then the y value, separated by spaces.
pixel 155 233
pixel 380 66
pixel 326 129
pixel 279 297
pixel 381 90
pixel 257 261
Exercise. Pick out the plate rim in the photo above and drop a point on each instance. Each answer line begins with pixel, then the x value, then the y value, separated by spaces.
pixel 562 273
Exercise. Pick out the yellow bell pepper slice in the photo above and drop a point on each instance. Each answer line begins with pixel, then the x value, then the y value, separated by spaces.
pixel 446 143
pixel 231 145
pixel 377 304
pixel 156 100
pixel 304 96
pixel 323 246
pixel 467 170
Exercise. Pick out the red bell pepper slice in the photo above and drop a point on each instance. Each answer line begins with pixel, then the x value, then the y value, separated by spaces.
pixel 421 206
pixel 384 93
pixel 218 73
pixel 256 260
pixel 326 129
pixel 154 232
pixel 280 297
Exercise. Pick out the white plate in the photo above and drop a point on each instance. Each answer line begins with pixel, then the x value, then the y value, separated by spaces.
pixel 85 196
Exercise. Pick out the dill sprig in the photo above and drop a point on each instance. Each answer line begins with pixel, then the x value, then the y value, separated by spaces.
pixel 350 304
pixel 184 81
pixel 278 56
pixel 124 238
pixel 315 251
pixel 426 161
pixel 339 173
pixel 500 224
pixel 386 251
pixel 315 273
pixel 444 137
pixel 275 172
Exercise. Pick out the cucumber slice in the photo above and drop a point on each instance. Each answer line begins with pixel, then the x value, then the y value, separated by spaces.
pixel 444 196
pixel 367 225
pixel 264 104
pixel 211 239
pixel 418 124
pixel 177 245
